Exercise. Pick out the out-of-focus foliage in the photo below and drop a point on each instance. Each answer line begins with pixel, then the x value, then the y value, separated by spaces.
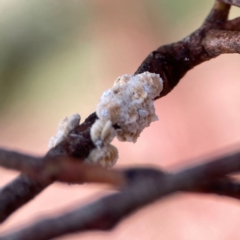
pixel 177 17
pixel 179 11
pixel 31 33
pixel 45 45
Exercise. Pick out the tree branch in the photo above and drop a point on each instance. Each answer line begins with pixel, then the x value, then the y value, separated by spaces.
pixel 17 193
pixel 219 41
pixel 146 186
pixel 223 187
pixel 233 25
pixel 63 169
pixel 174 60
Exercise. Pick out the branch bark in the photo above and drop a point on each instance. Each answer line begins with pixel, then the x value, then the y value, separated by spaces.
pixel 145 187
pixel 220 41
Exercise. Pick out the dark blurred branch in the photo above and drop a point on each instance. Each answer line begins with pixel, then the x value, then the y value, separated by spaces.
pixel 41 172
pixel 22 189
pixel 45 171
pixel 76 145
pixel 233 25
pixel 223 187
pixel 145 186
pixel 171 61
pixel 17 193
pixel 63 169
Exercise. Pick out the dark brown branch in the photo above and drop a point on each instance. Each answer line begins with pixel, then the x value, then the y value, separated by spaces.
pixel 42 172
pixel 105 213
pixel 233 25
pixel 22 189
pixel 63 169
pixel 45 171
pixel 78 144
pixel 223 187
pixel 219 41
pixel 174 60
pixel 17 193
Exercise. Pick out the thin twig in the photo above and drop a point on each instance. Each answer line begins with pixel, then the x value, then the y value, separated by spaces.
pixel 105 213
pixel 63 169
pixel 174 60
pixel 43 171
pixel 233 25
pixel 219 42
pixel 17 193
pixel 223 187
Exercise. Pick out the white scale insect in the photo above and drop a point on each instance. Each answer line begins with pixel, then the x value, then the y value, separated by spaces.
pixel 127 105
pixel 64 128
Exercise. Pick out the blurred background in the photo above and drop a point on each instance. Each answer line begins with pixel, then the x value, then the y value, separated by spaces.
pixel 56 59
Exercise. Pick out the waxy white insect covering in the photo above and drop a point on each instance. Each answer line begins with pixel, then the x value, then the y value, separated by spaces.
pixel 64 128
pixel 124 111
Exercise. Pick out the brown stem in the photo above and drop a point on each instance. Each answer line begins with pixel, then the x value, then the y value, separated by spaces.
pixel 174 60
pixel 233 25
pixel 219 42
pixel 17 193
pixel 69 170
pixel 64 169
pixel 78 146
pixel 223 187
pixel 105 213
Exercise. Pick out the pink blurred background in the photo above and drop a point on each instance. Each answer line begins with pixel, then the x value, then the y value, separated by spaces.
pixel 58 57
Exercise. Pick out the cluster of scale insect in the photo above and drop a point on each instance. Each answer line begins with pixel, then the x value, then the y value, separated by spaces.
pixel 106 156
pixel 129 104
pixel 124 111
pixel 102 134
pixel 64 128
